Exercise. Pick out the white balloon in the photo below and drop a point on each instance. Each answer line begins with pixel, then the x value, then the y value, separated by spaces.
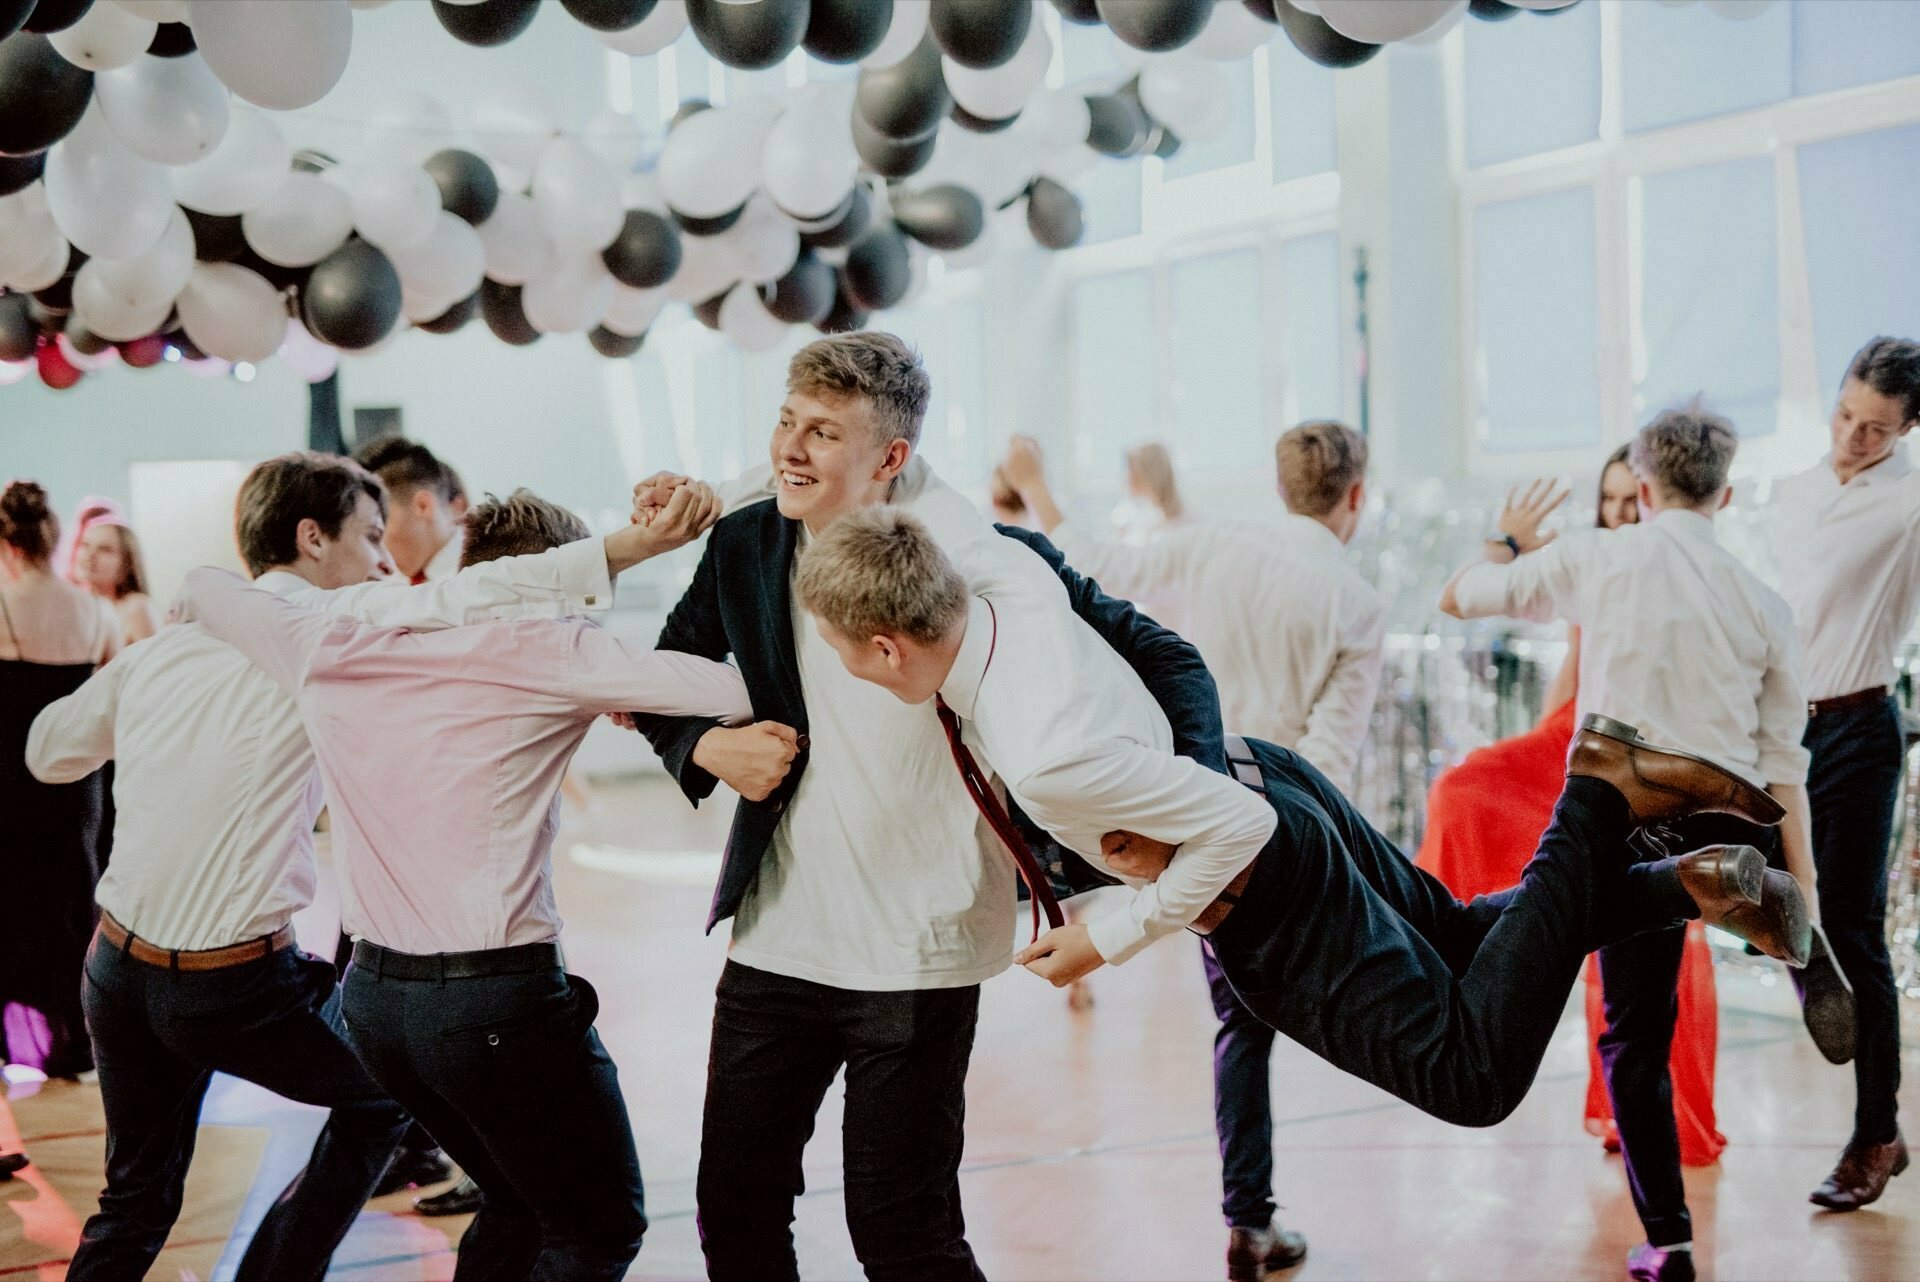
pixel 1231 33
pixel 616 138
pixel 1060 117
pixel 1739 10
pixel 1304 6
pixel 903 34
pixel 373 4
pixel 444 267
pixel 108 314
pixel 155 276
pixel 1381 21
pixel 517 246
pixel 407 128
pixel 107 36
pixel 632 310
pixel 46 264
pixel 272 53
pixel 512 126
pixel 810 162
pixel 1542 6
pixel 232 313
pixel 569 297
pixel 393 205
pixel 654 32
pixel 705 270
pixel 306 355
pixel 642 191
pixel 1000 92
pixel 711 162
pixel 246 169
pixel 1188 95
pixel 171 110
pixel 745 319
pixel 763 245
pixel 12 372
pixel 108 201
pixel 27 232
pixel 156 10
pixel 1438 31
pixel 80 360
pixel 303 222
pixel 577 196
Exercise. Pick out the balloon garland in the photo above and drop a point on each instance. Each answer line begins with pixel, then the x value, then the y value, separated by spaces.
pixel 145 216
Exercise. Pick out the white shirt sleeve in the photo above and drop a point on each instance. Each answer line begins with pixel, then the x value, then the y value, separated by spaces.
pixel 1219 826
pixel 567 580
pixel 279 637
pixel 1783 705
pixel 73 737
pixel 1337 722
pixel 608 677
pixel 1538 586
pixel 1159 566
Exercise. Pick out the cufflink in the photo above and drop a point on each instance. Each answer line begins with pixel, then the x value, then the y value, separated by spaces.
pixel 592 597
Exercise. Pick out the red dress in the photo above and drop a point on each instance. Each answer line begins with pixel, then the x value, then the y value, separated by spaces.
pixel 1484 818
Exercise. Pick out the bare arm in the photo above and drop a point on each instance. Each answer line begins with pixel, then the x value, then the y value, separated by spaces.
pixel 1566 682
pixel 1796 839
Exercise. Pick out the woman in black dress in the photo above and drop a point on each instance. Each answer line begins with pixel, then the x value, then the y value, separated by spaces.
pixel 52 637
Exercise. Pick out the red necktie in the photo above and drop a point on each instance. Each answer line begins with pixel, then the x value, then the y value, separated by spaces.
pixel 417 578
pixel 1039 890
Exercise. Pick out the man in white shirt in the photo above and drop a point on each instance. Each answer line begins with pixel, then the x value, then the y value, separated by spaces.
pixel 1292 633
pixel 427 503
pixel 194 971
pixel 1848 551
pixel 1680 639
pixel 1324 928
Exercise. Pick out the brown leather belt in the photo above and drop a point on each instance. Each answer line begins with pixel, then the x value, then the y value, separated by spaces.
pixel 192 959
pixel 1247 771
pixel 1841 702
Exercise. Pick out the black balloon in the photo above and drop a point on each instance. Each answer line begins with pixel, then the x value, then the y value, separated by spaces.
pixel 646 253
pixel 946 217
pixel 17 173
pixel 879 270
pixel 1080 11
pixel 42 95
pixel 18 331
pixel 500 308
pixel 58 297
pixel 352 297
pixel 688 107
pixel 908 100
pixel 216 239
pixel 1489 10
pixel 1167 145
pixel 172 40
pixel 707 226
pixel 846 30
pixel 890 157
pixel 1321 43
pixel 707 310
pixel 12 14
pixel 468 189
pixel 980 33
pixel 1120 125
pixel 614 346
pixel 491 22
pixel 1157 26
pixel 454 317
pixel 1053 214
pixel 50 16
pixel 805 294
pixel 846 316
pixel 1265 10
pixel 979 124
pixel 844 230
pixel 751 36
pixel 83 340
pixel 610 15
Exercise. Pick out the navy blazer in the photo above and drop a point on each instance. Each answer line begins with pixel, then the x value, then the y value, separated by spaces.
pixel 738 604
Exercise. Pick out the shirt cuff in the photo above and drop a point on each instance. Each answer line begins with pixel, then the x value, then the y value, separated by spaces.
pixel 584 580
pixel 1116 936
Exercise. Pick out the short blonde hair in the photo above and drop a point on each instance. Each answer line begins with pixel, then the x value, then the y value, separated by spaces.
pixel 520 524
pixel 1318 462
pixel 875 367
pixel 878 572
pixel 1686 453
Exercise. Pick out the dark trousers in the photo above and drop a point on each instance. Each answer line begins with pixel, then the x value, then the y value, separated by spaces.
pixel 509 1075
pixel 159 1035
pixel 1343 945
pixel 1242 1104
pixel 1639 981
pixel 1851 787
pixel 777 1043
pixel 416 1139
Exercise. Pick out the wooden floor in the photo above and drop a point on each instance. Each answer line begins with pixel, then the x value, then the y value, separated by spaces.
pixel 1090 1151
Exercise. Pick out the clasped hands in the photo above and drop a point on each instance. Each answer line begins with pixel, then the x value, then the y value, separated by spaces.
pixel 1066 953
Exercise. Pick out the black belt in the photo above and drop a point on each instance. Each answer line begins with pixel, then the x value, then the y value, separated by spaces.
pixel 1841 702
pixel 522 959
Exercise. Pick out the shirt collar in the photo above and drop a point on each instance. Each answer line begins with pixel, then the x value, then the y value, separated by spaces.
pixel 1330 542
pixel 961 690
pixel 1687 522
pixel 281 582
pixel 445 563
pixel 1891 468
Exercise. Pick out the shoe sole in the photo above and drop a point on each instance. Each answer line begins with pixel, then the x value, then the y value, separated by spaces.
pixel 1261 1272
pixel 1743 872
pixel 1762 808
pixel 1828 1005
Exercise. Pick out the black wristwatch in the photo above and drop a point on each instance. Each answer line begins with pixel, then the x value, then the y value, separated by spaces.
pixel 1513 544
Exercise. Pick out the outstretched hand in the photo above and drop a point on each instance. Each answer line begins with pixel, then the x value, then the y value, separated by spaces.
pixel 1062 955
pixel 1525 509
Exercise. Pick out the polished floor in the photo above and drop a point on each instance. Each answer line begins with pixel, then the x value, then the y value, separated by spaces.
pixel 1090 1153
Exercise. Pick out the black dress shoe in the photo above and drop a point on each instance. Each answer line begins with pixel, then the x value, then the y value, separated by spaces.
pixel 1254 1253
pixel 1826 1001
pixel 463 1198
pixel 412 1168
pixel 1649 1263
pixel 1862 1175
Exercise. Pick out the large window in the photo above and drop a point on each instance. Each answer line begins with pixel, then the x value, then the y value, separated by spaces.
pixel 1314 384
pixel 1235 146
pixel 1300 102
pixel 1110 198
pixel 1213 334
pixel 1115 375
pixel 954 434
pixel 1691 63
pixel 1533 83
pixel 1840 44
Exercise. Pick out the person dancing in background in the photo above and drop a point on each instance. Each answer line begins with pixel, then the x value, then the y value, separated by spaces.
pixel 107 562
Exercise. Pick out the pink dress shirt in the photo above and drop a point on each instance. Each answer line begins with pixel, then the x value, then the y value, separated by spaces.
pixel 442 752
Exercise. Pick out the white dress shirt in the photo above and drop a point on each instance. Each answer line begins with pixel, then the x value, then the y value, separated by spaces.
pixel 1080 744
pixel 1289 629
pixel 215 791
pixel 1849 563
pixel 443 752
pixel 1677 638
pixel 445 563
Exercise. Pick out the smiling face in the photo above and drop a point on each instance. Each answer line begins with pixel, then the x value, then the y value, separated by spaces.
pixel 829 459
pixel 1866 427
pixel 100 560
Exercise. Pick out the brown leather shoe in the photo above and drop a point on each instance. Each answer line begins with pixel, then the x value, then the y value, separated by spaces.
pixel 1778 926
pixel 1862 1175
pixel 1663 784
pixel 1254 1253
